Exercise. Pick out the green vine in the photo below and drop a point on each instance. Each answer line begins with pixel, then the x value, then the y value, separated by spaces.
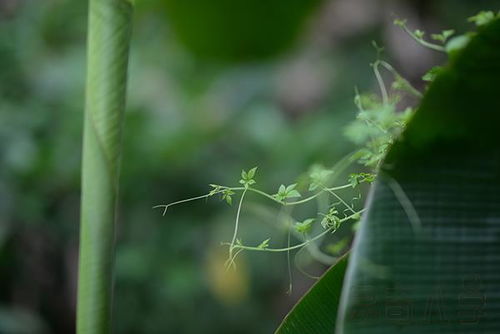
pixel 379 121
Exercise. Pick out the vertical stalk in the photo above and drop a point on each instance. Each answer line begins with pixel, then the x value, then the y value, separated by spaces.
pixel 107 60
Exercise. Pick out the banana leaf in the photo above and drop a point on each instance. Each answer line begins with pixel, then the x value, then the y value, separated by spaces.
pixel 427 255
pixel 316 312
pixel 426 258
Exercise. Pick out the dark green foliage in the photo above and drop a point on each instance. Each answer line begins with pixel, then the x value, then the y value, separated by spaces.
pixel 316 311
pixel 237 30
pixel 460 107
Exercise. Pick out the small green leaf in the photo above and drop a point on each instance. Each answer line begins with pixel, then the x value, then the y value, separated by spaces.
pixel 305 226
pixel 251 173
pixel 419 33
pixel 457 43
pixel 264 244
pixel 357 178
pixel 448 33
pixel 293 194
pixel 432 73
pixel 216 189
pixel 482 18
pixel 227 196
pixel 279 197
pixel 443 36
pixel 353 180
pixel 331 219
pixel 247 178
pixel 400 22
pixel 437 37
pixel 285 192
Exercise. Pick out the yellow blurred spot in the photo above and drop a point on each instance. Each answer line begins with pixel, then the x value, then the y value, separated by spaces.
pixel 229 285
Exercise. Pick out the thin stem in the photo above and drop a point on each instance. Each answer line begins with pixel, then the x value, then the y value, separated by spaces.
pixel 263 212
pixel 298 245
pixel 290 278
pixel 359 105
pixel 408 85
pixel 166 206
pixel 339 167
pixel 307 199
pixel 423 42
pixel 381 84
pixel 236 224
pixel 302 270
pixel 260 192
pixel 231 261
pixel 302 201
pixel 340 199
pixel 254 190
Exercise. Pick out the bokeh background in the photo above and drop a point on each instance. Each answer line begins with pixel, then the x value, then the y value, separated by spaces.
pixel 213 88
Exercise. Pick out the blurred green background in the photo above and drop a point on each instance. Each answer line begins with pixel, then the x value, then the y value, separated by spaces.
pixel 211 91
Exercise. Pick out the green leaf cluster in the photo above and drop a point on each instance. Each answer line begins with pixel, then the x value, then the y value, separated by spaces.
pixel 264 244
pixel 331 220
pixel 356 178
pixel 432 73
pixel 443 36
pixel 286 192
pixel 305 226
pixel 227 196
pixel 376 126
pixel 247 178
pixel 483 17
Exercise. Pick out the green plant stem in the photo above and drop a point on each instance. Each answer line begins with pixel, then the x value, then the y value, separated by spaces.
pixel 412 90
pixel 423 42
pixel 340 199
pixel 109 29
pixel 302 201
pixel 236 226
pixel 286 249
pixel 383 89
pixel 254 190
pixel 262 212
pixel 165 207
pixel 307 199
